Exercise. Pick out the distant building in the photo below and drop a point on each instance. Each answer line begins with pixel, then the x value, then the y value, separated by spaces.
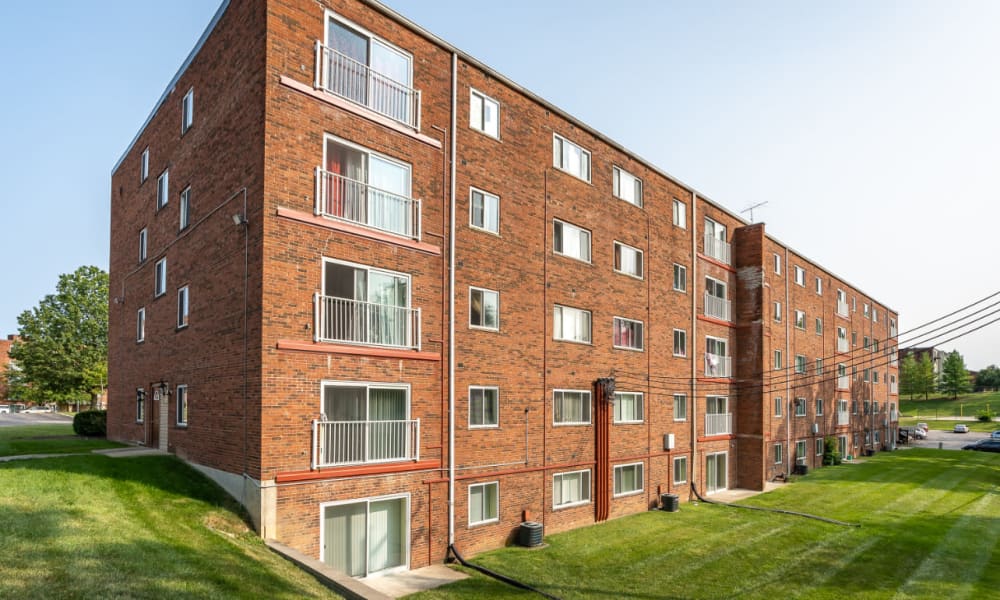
pixel 4 361
pixel 937 356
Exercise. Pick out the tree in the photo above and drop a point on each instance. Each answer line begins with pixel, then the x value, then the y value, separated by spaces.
pixel 909 376
pixel 954 377
pixel 926 379
pixel 62 353
pixel 988 378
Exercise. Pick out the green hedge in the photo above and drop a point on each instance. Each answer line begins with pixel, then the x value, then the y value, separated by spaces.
pixel 91 423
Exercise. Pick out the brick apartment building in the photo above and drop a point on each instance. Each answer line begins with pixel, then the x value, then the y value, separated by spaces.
pixel 5 346
pixel 356 273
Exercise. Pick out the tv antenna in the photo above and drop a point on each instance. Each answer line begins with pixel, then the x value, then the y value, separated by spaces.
pixel 749 209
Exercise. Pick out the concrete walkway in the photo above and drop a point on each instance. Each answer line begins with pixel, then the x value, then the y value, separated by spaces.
pixel 404 583
pixel 740 494
pixel 129 452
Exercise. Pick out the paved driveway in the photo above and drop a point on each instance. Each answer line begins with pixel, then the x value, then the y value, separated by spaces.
pixel 17 419
pixel 947 440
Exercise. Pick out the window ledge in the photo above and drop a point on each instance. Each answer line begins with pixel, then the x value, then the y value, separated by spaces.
pixel 325 348
pixel 310 219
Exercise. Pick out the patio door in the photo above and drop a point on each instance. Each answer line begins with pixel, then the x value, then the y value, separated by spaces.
pixel 715 472
pixel 367 537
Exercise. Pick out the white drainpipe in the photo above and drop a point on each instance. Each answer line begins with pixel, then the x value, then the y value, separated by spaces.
pixel 451 310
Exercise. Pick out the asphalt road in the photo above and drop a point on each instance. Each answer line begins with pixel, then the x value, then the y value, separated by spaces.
pixel 948 440
pixel 18 419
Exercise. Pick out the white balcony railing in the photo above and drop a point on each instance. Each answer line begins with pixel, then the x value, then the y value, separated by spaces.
pixel 718 366
pixel 894 415
pixel 717 307
pixel 893 387
pixel 843 382
pixel 843 417
pixel 359 442
pixel 367 323
pixel 343 76
pixel 716 248
pixel 841 345
pixel 842 308
pixel 339 197
pixel 718 424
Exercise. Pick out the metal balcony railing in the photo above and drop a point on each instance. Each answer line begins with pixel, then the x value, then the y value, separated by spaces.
pixel 843 382
pixel 358 442
pixel 842 308
pixel 339 197
pixel 350 321
pixel 343 76
pixel 718 366
pixel 718 423
pixel 843 417
pixel 719 308
pixel 841 344
pixel 893 388
pixel 716 248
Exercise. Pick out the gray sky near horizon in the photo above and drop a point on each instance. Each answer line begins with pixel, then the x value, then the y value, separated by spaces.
pixel 871 129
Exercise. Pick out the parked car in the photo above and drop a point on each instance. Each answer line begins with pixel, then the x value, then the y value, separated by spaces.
pixel 961 428
pixel 37 409
pixel 922 426
pixel 4 409
pixel 995 435
pixel 919 433
pixel 987 445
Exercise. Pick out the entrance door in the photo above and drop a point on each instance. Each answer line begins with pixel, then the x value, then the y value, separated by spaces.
pixel 715 472
pixel 367 537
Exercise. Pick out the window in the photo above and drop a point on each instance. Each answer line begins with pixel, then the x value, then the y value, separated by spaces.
pixel 800 450
pixel 819 366
pixel 484 309
pixel 854 338
pixel 626 186
pixel 841 339
pixel 800 407
pixel 628 407
pixel 865 342
pixel 680 342
pixel 183 307
pixel 144 166
pixel 800 363
pixel 874 345
pixel 819 286
pixel 800 276
pixel 680 469
pixel 569 157
pixel 373 421
pixel 874 315
pixel 485 211
pixel 778 454
pixel 363 305
pixel 819 407
pixel 484 406
pixel 874 376
pixel 140 325
pixel 680 214
pixel 140 405
pixel 570 240
pixel 628 479
pixel 627 334
pixel 484 114
pixel 571 324
pixel 628 260
pixel 160 285
pixel 777 312
pixel 680 407
pixel 777 360
pixel 484 503
pixel 187 111
pixel 571 407
pixel 778 403
pixel 680 278
pixel 854 304
pixel 819 326
pixel 143 244
pixel 162 189
pixel 842 303
pixel 716 304
pixel 717 363
pixel 715 241
pixel 182 405
pixel 777 264
pixel 570 489
pixel 867 311
pixel 800 319
pixel 185 208
pixel 819 446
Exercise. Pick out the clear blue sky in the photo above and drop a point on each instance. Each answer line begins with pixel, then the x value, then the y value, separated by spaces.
pixel 872 129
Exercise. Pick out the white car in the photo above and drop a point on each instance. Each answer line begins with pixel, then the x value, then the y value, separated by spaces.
pixel 37 409
pixel 4 409
pixel 922 426
pixel 919 433
pixel 961 428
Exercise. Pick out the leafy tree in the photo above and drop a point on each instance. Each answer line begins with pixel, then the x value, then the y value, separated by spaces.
pixel 926 379
pixel 988 378
pixel 62 353
pixel 909 376
pixel 954 376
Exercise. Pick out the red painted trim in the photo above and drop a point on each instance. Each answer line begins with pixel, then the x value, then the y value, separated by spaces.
pixel 356 470
pixel 515 471
pixel 728 380
pixel 360 111
pixel 309 219
pixel 716 321
pixel 716 262
pixel 323 348
pixel 715 438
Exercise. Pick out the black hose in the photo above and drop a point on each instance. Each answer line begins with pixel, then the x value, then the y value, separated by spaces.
pixel 499 576
pixel 774 510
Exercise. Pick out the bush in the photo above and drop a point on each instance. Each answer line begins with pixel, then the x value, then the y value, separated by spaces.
pixel 91 423
pixel 985 416
pixel 830 454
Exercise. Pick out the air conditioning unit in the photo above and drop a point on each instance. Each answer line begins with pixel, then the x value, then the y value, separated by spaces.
pixel 668 441
pixel 815 427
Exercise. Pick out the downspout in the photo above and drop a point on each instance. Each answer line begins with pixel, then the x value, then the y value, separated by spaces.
pixel 788 380
pixel 694 338
pixel 451 309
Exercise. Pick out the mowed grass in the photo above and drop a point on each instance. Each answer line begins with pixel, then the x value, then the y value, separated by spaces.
pixel 47 439
pixel 967 406
pixel 141 527
pixel 930 528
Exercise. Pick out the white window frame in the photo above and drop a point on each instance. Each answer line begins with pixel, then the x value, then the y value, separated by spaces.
pixel 586 402
pixel 559 313
pixel 639 479
pixel 800 276
pixel 801 450
pixel 620 177
pixel 779 406
pixel 621 322
pixel 140 325
pixel 680 214
pixel 181 405
pixel 819 366
pixel 819 325
pixel 800 319
pixel 680 270
pixel 560 159
pixel 777 312
pixel 580 231
pixel 638 401
pixel 680 460
pixel 584 490
pixel 183 306
pixel 187 111
pixel 683 333
pixel 819 286
pixel 143 244
pixel 144 165
pixel 185 209
pixel 777 264
pixel 483 399
pixel 140 405
pixel 478 121
pixel 778 453
pixel 160 277
pixel 483 507
pixel 801 364
pixel 489 201
pixel 485 295
pixel 163 189
pixel 819 446
pixel 778 363
pixel 619 251
pixel 867 311
pixel 680 400
pixel 819 407
pixel 800 407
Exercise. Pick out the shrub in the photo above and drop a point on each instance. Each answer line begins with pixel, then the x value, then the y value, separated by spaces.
pixel 91 423
pixel 830 454
pixel 985 416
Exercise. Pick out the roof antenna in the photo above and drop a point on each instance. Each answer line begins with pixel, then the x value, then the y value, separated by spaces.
pixel 750 209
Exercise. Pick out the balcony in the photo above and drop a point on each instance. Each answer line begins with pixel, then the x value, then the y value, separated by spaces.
pixel 345 199
pixel 716 248
pixel 843 417
pixel 339 443
pixel 343 320
pixel 841 344
pixel 893 387
pixel 343 76
pixel 843 382
pixel 718 423
pixel 717 307
pixel 894 415
pixel 842 308
pixel 718 366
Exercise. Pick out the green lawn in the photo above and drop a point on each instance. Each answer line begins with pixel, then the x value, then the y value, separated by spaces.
pixel 142 527
pixel 930 528
pixel 47 439
pixel 968 405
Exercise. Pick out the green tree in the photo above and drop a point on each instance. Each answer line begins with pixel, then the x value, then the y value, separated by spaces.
pixel 988 378
pixel 926 379
pixel 909 376
pixel 954 376
pixel 62 353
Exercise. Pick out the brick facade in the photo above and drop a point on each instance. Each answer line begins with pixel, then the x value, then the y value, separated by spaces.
pixel 288 321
